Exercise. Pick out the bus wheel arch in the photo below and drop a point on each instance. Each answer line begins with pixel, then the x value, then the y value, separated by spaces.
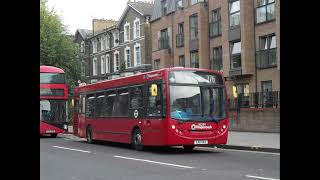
pixel 136 139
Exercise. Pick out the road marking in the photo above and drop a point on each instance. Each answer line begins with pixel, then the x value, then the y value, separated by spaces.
pixel 155 162
pixel 72 149
pixel 259 152
pixel 257 177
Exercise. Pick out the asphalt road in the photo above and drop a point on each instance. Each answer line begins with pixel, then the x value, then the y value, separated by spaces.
pixel 70 158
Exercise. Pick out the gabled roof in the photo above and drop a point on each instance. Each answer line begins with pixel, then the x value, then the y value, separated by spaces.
pixel 84 32
pixel 143 8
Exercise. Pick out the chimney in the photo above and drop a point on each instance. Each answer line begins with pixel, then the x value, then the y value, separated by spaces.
pixel 101 24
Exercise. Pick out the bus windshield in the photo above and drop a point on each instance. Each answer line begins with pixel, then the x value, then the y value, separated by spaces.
pixel 52 78
pixel 202 100
pixel 53 111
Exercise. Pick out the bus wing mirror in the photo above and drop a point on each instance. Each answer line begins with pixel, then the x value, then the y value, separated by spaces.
pixel 154 90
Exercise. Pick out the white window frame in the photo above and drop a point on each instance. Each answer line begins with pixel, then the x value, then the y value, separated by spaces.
pixel 115 36
pixel 82 47
pixel 94 45
pixel 103 64
pixel 125 57
pixel 102 42
pixel 135 63
pixel 126 39
pixel 116 68
pixel 107 63
pixel 135 35
pixel 107 42
pixel 94 66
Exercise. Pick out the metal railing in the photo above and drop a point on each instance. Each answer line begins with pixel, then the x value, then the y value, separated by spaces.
pixel 256 100
pixel 163 42
pixel 267 58
pixel 180 40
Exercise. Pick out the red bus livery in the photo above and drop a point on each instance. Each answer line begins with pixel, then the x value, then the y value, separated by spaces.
pixel 53 101
pixel 168 107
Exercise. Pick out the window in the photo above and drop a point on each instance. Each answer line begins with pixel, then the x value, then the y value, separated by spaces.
pixel 163 41
pixel 266 87
pixel 217 58
pixel 122 102
pixel 82 47
pixel 127 32
pixel 116 62
pixel 194 59
pixel 136 97
pixel 154 107
pixel 90 105
pixel 192 2
pixel 107 42
pixel 136 29
pixel 215 26
pixel 243 95
pixel 235 49
pixel 156 64
pixel 181 61
pixel 109 106
pixel 267 54
pixel 100 97
pixel 137 55
pixel 194 27
pixel 265 10
pixel 94 46
pixel 234 13
pixel 116 38
pixel 164 7
pixel 180 35
pixel 103 64
pixel 52 78
pixel 103 42
pixel 127 57
pixel 179 4
pixel 107 63
pixel 94 66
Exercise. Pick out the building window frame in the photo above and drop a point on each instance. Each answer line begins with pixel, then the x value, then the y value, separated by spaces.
pixel 164 7
pixel 194 63
pixel 235 55
pixel 115 38
pixel 137 61
pixel 126 29
pixel 94 66
pixel 116 61
pixel 156 64
pixel 103 64
pixel 267 54
pixel 180 35
pixel 94 45
pixel 215 22
pixel 234 13
pixel 127 57
pixel 136 28
pixel 264 5
pixel 107 63
pixel 182 61
pixel 193 27
pixel 217 61
pixel 179 4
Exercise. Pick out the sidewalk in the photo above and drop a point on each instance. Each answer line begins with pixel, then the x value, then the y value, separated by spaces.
pixel 267 142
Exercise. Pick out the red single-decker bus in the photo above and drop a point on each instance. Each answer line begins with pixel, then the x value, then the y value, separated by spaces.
pixel 168 107
pixel 53 101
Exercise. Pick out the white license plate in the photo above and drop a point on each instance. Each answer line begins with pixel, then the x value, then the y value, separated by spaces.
pixel 200 141
pixel 50 131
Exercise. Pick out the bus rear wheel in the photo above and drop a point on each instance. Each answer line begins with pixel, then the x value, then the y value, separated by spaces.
pixel 89 135
pixel 136 140
pixel 188 147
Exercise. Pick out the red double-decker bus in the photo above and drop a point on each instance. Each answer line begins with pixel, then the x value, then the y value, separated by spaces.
pixel 168 107
pixel 53 101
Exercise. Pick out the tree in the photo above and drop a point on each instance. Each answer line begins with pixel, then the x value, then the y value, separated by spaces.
pixel 56 46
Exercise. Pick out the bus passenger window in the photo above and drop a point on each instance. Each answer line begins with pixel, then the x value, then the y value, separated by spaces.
pixel 154 102
pixel 136 97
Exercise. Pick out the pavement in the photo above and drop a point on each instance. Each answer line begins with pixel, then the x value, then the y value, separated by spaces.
pixel 253 141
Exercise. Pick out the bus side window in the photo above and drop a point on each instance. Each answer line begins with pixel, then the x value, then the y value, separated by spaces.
pixel 90 106
pixel 136 102
pixel 154 102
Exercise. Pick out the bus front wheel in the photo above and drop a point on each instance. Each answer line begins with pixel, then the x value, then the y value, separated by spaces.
pixel 136 140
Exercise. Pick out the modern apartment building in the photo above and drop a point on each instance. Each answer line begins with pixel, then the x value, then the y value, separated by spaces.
pixel 241 38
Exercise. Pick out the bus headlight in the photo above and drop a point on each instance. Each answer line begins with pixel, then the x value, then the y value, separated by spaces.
pixel 173 126
pixel 224 126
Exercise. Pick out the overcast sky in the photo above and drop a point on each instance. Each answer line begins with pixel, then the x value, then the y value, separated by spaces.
pixel 79 13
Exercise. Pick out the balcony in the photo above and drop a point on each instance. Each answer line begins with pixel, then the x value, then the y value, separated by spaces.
pixel 214 29
pixel 266 58
pixel 163 43
pixel 180 40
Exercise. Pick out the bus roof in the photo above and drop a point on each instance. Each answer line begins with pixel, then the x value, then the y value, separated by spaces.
pixel 50 69
pixel 99 83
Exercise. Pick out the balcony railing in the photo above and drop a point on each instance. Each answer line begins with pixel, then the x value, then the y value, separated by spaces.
pixel 180 40
pixel 256 100
pixel 216 64
pixel 163 43
pixel 267 58
pixel 215 29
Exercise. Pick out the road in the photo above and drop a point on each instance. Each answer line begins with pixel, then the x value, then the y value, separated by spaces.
pixel 71 158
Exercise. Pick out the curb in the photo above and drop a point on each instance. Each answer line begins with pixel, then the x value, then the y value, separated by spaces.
pixel 249 148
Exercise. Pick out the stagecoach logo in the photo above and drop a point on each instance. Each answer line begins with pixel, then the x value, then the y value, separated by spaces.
pixel 200 126
pixel 135 113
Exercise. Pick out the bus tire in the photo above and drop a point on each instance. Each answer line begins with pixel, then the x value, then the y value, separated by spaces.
pixel 136 140
pixel 89 135
pixel 53 135
pixel 188 147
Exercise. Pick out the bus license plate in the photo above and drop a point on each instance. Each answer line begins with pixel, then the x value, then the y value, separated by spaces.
pixel 50 131
pixel 200 141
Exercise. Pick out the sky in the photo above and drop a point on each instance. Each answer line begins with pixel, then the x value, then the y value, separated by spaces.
pixel 79 13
